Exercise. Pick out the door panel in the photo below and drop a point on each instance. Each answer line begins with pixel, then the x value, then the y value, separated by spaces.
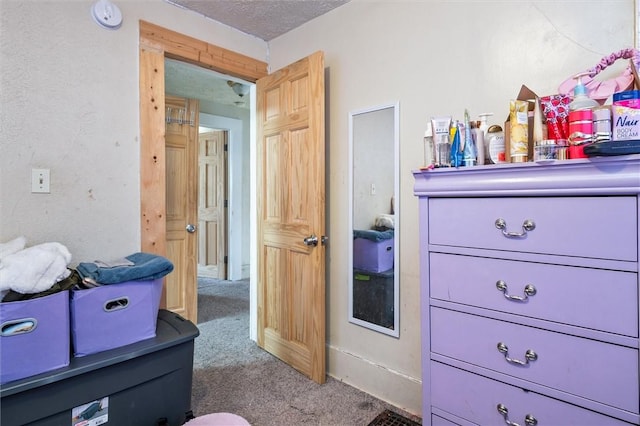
pixel 211 204
pixel 291 207
pixel 181 208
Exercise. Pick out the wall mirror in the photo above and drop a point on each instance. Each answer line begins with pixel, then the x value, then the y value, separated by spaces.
pixel 373 218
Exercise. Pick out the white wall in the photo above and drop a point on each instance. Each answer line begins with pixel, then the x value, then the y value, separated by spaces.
pixel 69 102
pixel 434 57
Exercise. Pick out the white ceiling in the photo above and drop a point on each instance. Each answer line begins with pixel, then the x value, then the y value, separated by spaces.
pixel 265 19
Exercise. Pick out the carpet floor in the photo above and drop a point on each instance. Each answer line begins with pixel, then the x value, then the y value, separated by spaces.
pixel 232 374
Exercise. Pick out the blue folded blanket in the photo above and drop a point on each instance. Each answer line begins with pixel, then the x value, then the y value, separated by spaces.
pixel 145 267
pixel 373 235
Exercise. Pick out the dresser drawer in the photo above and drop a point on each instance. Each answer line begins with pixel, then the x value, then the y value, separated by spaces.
pixel 591 298
pixel 476 398
pixel 439 421
pixel 593 227
pixel 584 367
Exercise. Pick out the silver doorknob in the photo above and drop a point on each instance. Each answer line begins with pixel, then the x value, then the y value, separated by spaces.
pixel 191 228
pixel 311 240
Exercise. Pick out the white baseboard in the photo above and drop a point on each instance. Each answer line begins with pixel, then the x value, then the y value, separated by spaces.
pixel 388 385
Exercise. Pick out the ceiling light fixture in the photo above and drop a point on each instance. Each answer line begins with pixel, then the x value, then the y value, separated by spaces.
pixel 106 14
pixel 239 88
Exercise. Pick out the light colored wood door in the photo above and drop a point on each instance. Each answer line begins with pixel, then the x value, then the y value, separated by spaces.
pixel 212 170
pixel 291 207
pixel 181 152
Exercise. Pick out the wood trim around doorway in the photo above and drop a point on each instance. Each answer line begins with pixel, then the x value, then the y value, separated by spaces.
pixel 155 43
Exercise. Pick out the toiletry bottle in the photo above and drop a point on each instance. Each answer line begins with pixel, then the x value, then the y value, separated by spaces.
pixel 580 98
pixel 495 145
pixel 441 126
pixel 484 127
pixel 483 122
pixel 602 124
pixel 539 129
pixel 456 145
pixel 469 155
pixel 518 131
pixel 478 139
pixel 429 147
pixel 580 119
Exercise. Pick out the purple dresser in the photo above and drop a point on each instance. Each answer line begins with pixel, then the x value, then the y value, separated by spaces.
pixel 529 289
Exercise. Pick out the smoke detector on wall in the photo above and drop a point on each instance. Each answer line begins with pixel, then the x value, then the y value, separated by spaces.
pixel 106 14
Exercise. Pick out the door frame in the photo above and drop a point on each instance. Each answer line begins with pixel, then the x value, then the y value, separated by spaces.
pixel 156 43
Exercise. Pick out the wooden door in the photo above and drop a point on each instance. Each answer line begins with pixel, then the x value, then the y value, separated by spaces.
pixel 212 194
pixel 181 205
pixel 291 207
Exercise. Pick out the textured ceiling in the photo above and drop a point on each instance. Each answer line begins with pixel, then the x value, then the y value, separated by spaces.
pixel 191 81
pixel 265 19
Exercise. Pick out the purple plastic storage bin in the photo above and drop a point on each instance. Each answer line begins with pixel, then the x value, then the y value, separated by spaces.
pixel 114 315
pixel 34 337
pixel 373 256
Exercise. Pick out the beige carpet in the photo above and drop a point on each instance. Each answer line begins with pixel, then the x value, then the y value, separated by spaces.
pixel 231 374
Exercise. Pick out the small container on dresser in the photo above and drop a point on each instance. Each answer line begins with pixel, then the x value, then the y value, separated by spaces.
pixel 529 287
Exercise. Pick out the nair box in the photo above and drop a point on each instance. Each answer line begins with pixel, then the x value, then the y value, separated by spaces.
pixel 626 115
pixel 34 337
pixel 114 315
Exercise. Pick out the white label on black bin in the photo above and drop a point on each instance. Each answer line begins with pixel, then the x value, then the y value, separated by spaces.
pixel 92 414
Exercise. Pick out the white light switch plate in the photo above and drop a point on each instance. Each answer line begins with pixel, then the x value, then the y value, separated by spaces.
pixel 40 181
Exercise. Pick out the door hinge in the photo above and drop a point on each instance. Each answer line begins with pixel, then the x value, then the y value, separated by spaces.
pixel 226 260
pixel 226 203
pixel 226 147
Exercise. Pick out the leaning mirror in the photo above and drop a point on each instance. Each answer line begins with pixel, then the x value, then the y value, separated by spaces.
pixel 373 218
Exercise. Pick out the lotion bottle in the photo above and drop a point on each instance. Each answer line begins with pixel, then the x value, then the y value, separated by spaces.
pixel 495 145
pixel 580 98
pixel 483 122
pixel 580 119
pixel 484 127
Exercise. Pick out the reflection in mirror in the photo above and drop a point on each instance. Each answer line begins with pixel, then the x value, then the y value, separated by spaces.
pixel 373 194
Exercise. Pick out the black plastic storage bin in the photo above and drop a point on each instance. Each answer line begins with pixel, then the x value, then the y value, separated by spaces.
pixel 145 383
pixel 373 297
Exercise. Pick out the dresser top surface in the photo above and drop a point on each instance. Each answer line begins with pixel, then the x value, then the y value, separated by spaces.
pixel 594 176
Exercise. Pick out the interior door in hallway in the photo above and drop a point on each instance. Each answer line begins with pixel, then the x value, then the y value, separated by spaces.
pixel 291 215
pixel 181 286
pixel 212 196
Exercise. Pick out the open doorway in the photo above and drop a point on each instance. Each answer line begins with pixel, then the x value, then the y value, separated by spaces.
pixel 224 234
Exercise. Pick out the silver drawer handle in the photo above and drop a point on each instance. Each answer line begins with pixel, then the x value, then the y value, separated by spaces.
pixel 529 420
pixel 529 290
pixel 527 225
pixel 529 355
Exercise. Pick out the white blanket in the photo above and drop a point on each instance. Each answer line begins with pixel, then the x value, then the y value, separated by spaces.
pixel 32 269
